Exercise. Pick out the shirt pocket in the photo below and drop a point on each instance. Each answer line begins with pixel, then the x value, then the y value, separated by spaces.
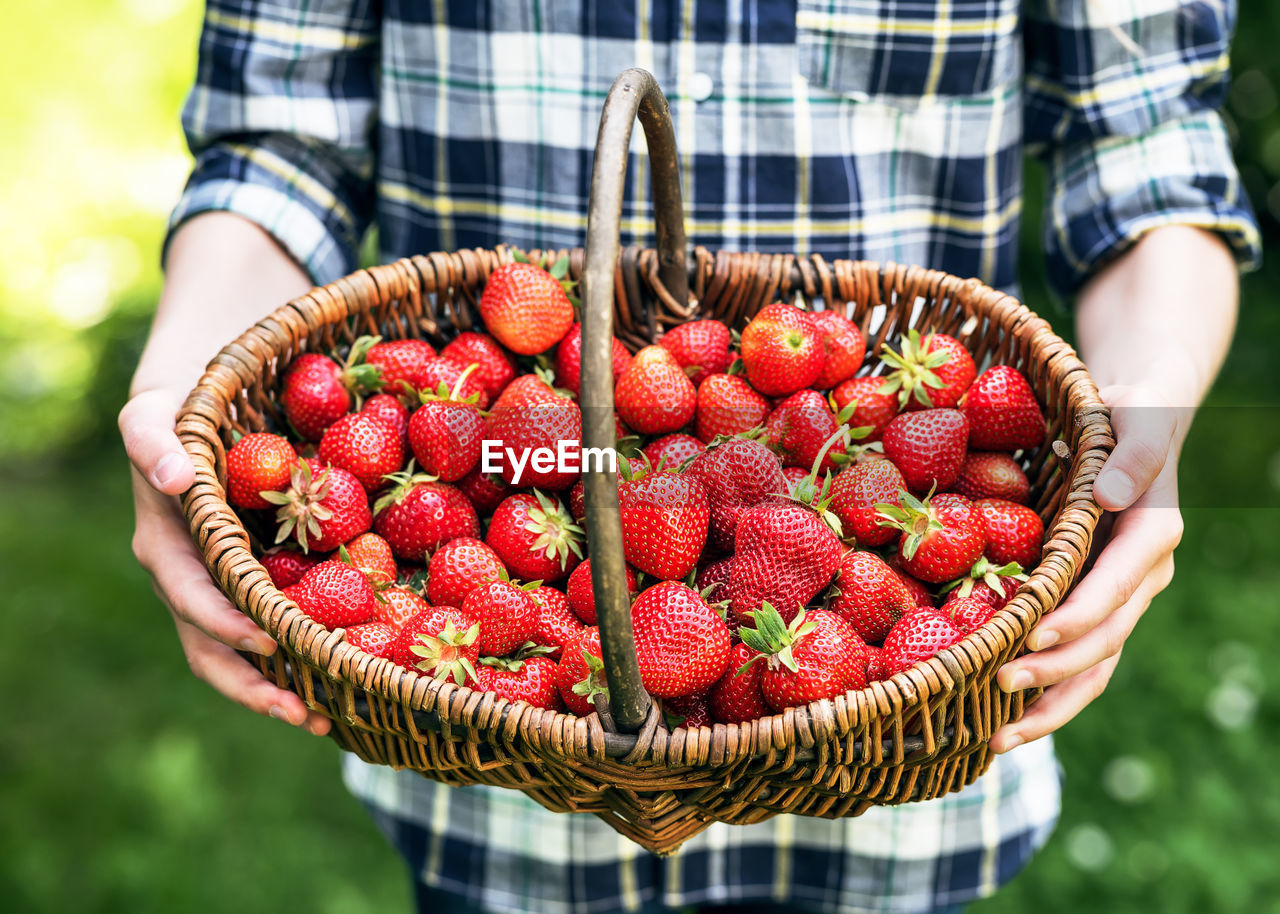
pixel 908 52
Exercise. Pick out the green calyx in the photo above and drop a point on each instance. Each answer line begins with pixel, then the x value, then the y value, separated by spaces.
pixel 444 655
pixel 913 370
pixel 983 570
pixel 299 510
pixel 593 683
pixel 559 271
pixel 912 516
pixel 557 534
pixel 358 376
pixel 515 662
pixel 401 484
pixel 443 393
pixel 773 638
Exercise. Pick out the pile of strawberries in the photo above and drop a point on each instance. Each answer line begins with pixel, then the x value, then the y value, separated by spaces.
pixel 792 529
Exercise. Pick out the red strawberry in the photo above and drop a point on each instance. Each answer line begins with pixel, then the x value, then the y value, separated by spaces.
pixel 992 475
pixel 446 432
pixel 941 536
pixel 991 584
pixel 654 395
pixel 1002 411
pixel 917 636
pixel 876 671
pixel 785 555
pixel 258 462
pixel 507 615
pixel 871 597
pixel 701 348
pixel 737 697
pixel 568 363
pixel 682 644
pixel 458 567
pixel 968 614
pixel 323 507
pixel 581 595
pixel 843 346
pixel 871 408
pixel 855 492
pixel 286 566
pixel 526 307
pixel 535 538
pixel 530 679
pixel 419 515
pixel 391 411
pixel 580 673
pixel 485 491
pixel 440 642
pixel 817 656
pixel 398 605
pixel 530 416
pixel 799 427
pixel 930 373
pixel 782 350
pixel 556 625
pixel 1014 532
pixel 314 395
pixel 372 555
pixel 671 451
pixel 376 638
pixel 920 594
pixel 736 473
pixel 336 595
pixel 928 447
pixel 441 375
pixel 728 405
pixel 365 446
pixel 495 368
pixel 664 523
pixel 689 711
pixel 713 580
pixel 401 365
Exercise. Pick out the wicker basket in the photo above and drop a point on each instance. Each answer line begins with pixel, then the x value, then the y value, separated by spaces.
pixel 916 736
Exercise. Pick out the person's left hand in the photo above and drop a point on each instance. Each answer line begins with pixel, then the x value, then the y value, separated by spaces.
pixel 1075 649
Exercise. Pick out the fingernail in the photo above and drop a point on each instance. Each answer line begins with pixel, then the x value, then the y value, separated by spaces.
pixel 1011 742
pixel 255 646
pixel 277 712
pixel 1019 680
pixel 1116 486
pixel 1040 640
pixel 167 469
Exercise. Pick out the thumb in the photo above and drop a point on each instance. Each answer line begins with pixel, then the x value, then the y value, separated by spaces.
pixel 1144 423
pixel 146 425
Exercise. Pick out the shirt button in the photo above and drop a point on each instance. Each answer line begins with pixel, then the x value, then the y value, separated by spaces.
pixel 701 85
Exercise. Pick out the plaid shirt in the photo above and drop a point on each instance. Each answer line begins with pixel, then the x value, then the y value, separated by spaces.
pixel 880 129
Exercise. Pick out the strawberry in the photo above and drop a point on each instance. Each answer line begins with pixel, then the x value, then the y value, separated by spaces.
pixel 441 375
pixel 336 595
pixel 856 491
pixel 713 580
pixel 671 451
pixel 507 616
pixel 556 625
pixel 799 427
pixel 871 597
pixel 286 566
pixel 1014 532
pixel 323 507
pixel 440 642
pixel 990 583
pixel 817 656
pixel 419 515
pixel 794 476
pixel 664 523
pixel 535 537
pixel 376 638
pixel 690 711
pixel 568 362
pixel 782 350
pixel 930 373
pixel 727 405
pixel 581 595
pixel 928 447
pixel 391 411
pixel 580 673
pixel 458 567
pixel 871 408
pixel 525 307
pixel 495 368
pixel 531 415
pixel 920 594
pixel 785 555
pixel 365 446
pixel 398 605
pixel 941 536
pixel 400 365
pixel 531 679
pixel 968 614
pixel 485 491
pixel 990 474
pixel 314 395
pixel 446 431
pixel 258 462
pixel 700 348
pixel 1002 411
pixel 654 395
pixel 843 346
pixel 736 473
pixel 917 636
pixel 876 671
pixel 372 555
pixel 682 644
pixel 737 697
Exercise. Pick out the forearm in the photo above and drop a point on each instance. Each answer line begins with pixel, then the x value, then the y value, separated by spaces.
pixel 223 274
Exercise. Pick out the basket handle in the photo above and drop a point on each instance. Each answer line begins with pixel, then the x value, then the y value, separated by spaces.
pixel 634 93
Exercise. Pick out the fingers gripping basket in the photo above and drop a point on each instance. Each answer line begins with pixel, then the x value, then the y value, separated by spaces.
pixel 918 735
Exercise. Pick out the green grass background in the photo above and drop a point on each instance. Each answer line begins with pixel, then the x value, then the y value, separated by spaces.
pixel 126 785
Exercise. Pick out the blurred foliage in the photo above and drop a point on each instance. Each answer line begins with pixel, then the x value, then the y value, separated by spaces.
pixel 127 785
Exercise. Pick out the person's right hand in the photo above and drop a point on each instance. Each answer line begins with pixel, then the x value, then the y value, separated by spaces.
pixel 210 628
